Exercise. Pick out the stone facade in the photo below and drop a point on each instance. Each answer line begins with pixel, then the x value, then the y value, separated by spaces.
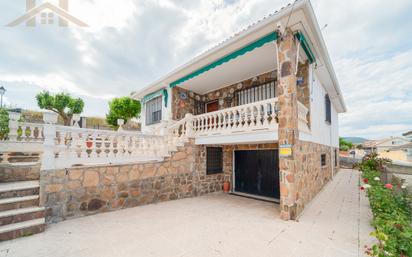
pixel 310 176
pixel 84 191
pixel 81 191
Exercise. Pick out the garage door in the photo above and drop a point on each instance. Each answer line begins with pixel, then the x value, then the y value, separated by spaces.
pixel 257 173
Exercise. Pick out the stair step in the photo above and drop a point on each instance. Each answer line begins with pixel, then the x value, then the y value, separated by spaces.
pixel 21 185
pixel 20 215
pixel 19 202
pixel 16 189
pixel 20 229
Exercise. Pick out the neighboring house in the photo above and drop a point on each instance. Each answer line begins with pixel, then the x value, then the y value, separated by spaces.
pixel 384 145
pixel 261 108
pixel 408 135
pixel 406 151
pixel 388 148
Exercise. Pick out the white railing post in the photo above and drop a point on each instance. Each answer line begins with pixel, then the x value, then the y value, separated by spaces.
pixel 75 120
pixel 13 126
pixel 120 123
pixel 189 125
pixel 48 158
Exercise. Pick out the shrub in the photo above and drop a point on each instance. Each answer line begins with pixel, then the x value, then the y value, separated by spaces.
pixel 4 123
pixel 391 211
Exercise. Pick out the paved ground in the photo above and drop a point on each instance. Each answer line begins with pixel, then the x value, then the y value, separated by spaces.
pixel 213 225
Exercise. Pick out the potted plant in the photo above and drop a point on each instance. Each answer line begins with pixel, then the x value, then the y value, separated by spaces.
pixel 226 186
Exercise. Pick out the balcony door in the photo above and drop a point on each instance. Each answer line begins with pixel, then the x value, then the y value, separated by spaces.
pixel 212 106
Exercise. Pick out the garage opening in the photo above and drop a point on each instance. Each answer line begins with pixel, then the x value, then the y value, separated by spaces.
pixel 257 173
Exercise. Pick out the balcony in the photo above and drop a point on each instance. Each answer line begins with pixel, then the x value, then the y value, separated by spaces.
pixel 244 124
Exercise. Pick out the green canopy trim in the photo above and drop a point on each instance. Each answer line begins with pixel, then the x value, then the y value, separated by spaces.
pixel 162 92
pixel 305 45
pixel 250 47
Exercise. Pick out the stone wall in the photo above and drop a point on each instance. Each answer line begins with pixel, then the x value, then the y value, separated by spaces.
pixel 310 176
pixel 81 191
pixel 12 172
pixel 84 191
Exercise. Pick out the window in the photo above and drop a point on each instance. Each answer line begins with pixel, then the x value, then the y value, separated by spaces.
pixel 336 158
pixel 154 110
pixel 328 118
pixel 256 93
pixel 323 160
pixel 214 160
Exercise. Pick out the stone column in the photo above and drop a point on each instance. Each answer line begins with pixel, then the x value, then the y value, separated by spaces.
pixel 288 123
pixel 49 131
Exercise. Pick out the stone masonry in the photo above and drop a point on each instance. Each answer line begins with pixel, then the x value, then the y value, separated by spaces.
pixel 288 124
pixel 84 191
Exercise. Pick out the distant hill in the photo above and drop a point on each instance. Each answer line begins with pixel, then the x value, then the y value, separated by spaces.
pixel 356 140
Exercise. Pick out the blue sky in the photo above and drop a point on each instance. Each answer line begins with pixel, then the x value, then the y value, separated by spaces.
pixel 131 43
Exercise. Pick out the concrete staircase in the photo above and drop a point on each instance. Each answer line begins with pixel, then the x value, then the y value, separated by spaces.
pixel 20 214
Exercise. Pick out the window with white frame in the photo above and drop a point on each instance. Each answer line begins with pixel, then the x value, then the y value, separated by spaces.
pixel 154 110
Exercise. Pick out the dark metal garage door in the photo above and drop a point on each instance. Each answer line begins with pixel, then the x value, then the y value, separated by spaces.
pixel 257 173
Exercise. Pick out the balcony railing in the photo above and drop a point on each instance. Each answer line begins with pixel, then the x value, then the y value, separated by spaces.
pixel 258 116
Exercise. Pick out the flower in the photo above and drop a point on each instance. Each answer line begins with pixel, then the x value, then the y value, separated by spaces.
pixel 365 180
pixel 389 186
pixel 376 178
pixel 367 186
pixel 362 188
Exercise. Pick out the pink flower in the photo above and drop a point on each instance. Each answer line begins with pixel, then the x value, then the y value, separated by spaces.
pixel 389 186
pixel 362 188
pixel 365 180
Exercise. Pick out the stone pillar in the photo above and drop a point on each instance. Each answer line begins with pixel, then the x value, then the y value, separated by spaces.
pixel 49 131
pixel 14 118
pixel 288 123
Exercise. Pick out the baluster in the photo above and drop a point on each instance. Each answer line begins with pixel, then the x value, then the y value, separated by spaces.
pixel 265 115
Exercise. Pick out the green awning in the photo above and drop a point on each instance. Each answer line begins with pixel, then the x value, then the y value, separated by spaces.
pixel 305 45
pixel 162 92
pixel 250 47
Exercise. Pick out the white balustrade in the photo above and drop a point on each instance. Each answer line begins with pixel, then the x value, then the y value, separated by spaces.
pixel 76 146
pixel 257 116
pixel 23 131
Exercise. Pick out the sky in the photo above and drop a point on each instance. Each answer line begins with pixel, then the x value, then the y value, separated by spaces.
pixel 131 43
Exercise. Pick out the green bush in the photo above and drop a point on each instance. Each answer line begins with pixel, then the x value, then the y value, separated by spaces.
pixel 4 123
pixel 391 211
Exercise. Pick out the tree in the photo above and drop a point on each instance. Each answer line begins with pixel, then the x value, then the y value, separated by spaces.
pixel 122 108
pixel 62 104
pixel 344 145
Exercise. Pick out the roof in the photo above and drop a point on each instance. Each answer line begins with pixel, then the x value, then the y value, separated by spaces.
pixel 409 133
pixel 270 20
pixel 402 147
pixel 375 143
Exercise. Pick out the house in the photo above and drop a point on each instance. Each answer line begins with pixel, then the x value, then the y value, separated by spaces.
pixel 261 108
pixel 391 148
pixel 408 135
pixel 384 145
pixel 404 151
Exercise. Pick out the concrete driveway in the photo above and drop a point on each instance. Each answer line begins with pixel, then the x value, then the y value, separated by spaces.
pixel 212 225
